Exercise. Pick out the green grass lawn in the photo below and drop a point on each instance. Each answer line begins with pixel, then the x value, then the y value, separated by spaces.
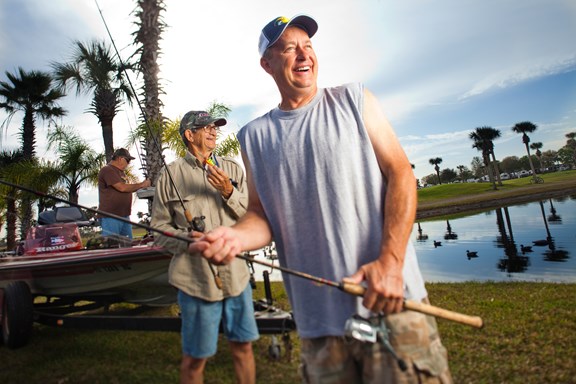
pixel 529 338
pixel 522 185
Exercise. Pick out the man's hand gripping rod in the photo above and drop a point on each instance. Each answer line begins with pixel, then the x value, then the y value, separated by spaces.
pixel 427 309
pixel 358 290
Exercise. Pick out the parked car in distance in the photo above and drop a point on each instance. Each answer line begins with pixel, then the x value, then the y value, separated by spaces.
pixel 504 176
pixel 524 173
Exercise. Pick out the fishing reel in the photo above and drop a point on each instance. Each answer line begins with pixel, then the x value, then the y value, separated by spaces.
pixel 198 223
pixel 370 331
pixel 361 329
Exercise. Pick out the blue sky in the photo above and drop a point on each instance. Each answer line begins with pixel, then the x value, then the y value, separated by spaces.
pixel 440 69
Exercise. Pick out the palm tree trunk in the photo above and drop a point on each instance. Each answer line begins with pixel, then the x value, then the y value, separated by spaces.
pixel 73 194
pixel 28 143
pixel 496 170
pixel 26 221
pixel 151 28
pixel 108 137
pixel 11 222
pixel 490 170
pixel 154 159
pixel 28 134
pixel 530 160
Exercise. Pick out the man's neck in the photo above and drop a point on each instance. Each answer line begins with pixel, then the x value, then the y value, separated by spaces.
pixel 202 157
pixel 295 101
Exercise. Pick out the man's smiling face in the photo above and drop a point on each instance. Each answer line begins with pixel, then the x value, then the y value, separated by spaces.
pixel 292 62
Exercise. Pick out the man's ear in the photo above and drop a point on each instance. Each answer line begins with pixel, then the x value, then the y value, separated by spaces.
pixel 189 136
pixel 265 65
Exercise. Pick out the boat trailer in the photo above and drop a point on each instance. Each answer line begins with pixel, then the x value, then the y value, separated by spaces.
pixel 19 309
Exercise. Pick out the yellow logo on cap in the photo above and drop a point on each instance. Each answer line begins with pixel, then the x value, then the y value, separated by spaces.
pixel 282 20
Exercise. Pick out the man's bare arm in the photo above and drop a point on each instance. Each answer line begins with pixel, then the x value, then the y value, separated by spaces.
pixel 124 187
pixel 384 276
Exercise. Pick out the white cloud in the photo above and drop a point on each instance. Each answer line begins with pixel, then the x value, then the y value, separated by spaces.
pixel 433 52
pixel 511 76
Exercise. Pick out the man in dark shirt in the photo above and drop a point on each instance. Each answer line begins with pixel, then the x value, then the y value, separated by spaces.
pixel 115 194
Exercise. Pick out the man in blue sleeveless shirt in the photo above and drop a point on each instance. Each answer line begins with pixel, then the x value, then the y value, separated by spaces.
pixel 329 182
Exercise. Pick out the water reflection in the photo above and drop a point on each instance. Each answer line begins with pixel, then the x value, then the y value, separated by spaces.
pixel 528 242
pixel 513 262
pixel 553 218
pixel 421 236
pixel 532 242
pixel 449 235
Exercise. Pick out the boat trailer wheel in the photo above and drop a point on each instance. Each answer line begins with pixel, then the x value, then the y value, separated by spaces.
pixel 274 351
pixel 17 315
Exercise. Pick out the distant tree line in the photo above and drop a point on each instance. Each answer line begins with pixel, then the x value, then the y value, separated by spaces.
pixel 489 167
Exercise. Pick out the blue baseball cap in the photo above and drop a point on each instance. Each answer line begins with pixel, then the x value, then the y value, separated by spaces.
pixel 274 29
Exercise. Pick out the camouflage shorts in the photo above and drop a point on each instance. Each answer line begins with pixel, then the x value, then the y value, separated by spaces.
pixel 341 360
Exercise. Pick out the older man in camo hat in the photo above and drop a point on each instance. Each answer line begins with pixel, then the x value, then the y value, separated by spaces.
pixel 196 193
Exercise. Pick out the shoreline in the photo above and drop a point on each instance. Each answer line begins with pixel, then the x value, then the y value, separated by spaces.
pixel 478 203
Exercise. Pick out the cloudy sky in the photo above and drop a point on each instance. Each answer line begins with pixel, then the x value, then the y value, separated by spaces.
pixel 439 68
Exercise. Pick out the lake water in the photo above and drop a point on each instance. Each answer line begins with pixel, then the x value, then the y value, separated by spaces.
pixel 496 236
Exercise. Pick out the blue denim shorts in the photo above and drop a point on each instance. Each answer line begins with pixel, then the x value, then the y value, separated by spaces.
pixel 201 322
pixel 111 226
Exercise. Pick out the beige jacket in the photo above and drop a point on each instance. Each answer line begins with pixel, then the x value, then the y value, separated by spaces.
pixel 191 272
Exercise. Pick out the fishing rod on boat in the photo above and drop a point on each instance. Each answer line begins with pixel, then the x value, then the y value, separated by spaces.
pixel 195 223
pixel 350 288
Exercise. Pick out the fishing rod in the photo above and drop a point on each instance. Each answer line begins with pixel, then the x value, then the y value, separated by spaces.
pixel 350 288
pixel 192 221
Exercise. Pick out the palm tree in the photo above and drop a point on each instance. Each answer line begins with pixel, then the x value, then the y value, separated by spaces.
pixel 147 38
pixel 482 146
pixel 488 135
pixel 31 93
pixel 93 69
pixel 229 146
pixel 78 163
pixel 537 146
pixel 523 128
pixel 435 161
pixel 461 169
pixel 7 161
pixel 39 174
